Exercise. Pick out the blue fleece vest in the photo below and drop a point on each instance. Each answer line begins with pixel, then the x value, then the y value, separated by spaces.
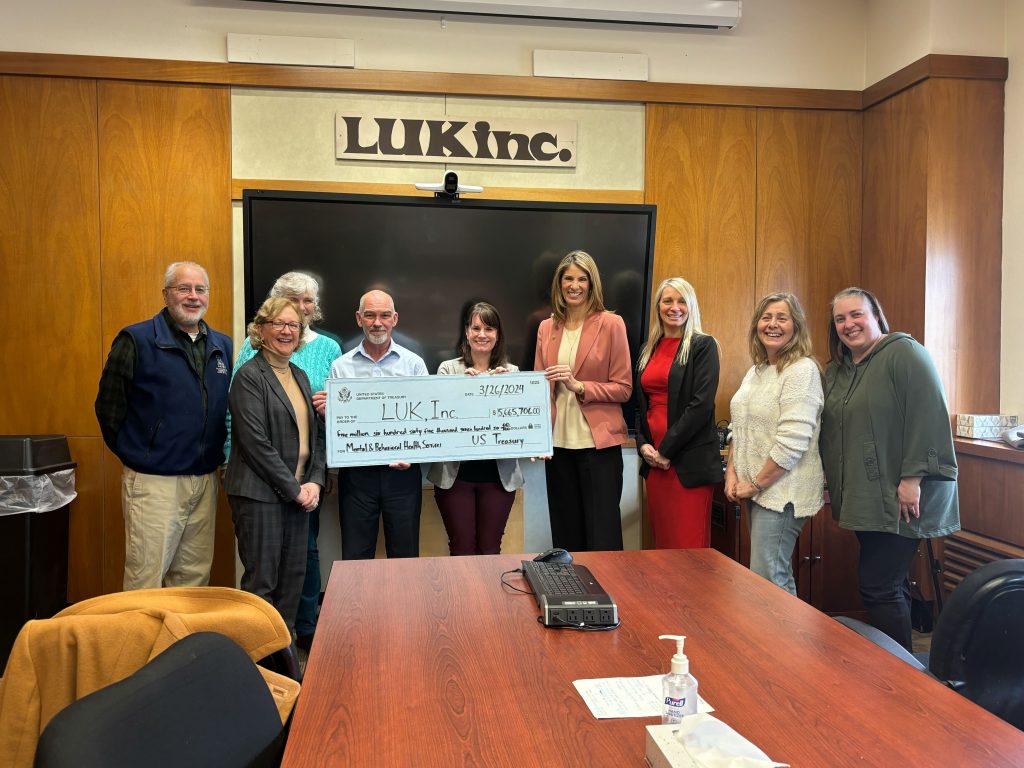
pixel 166 431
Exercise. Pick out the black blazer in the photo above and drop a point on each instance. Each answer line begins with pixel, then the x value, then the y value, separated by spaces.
pixel 691 442
pixel 265 435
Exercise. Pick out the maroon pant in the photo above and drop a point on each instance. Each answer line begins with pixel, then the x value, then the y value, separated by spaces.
pixel 474 516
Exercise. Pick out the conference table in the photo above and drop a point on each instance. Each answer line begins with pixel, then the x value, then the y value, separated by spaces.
pixel 434 662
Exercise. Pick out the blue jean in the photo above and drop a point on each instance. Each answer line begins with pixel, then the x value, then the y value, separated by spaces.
pixel 772 538
pixel 309 600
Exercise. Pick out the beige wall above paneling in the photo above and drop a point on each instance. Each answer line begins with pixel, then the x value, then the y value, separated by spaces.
pixel 701 175
pixel 290 135
pixel 49 255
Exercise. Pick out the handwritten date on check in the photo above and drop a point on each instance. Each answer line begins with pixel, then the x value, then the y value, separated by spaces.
pixel 437 418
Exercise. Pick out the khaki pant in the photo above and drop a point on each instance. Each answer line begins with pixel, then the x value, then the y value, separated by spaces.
pixel 168 529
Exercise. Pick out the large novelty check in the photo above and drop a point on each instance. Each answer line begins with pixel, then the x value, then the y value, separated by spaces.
pixel 380 420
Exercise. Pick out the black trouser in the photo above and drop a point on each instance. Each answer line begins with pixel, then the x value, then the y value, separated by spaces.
pixel 584 488
pixel 884 575
pixel 272 538
pixel 367 493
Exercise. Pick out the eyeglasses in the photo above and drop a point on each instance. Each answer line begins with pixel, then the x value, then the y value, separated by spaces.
pixel 185 290
pixel 373 316
pixel 280 325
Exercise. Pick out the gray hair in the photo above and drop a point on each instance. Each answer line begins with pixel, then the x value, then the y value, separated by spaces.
pixel 171 269
pixel 295 284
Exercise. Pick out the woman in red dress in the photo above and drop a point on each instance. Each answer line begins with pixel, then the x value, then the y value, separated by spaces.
pixel 677 379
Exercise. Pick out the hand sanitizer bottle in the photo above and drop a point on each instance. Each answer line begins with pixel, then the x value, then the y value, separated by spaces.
pixel 679 686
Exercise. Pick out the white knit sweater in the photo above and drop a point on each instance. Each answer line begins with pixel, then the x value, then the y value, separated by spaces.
pixel 777 415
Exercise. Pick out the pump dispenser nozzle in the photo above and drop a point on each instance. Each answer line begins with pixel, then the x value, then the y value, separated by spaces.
pixel 680 664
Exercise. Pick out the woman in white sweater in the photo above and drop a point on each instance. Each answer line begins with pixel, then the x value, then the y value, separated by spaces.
pixel 776 414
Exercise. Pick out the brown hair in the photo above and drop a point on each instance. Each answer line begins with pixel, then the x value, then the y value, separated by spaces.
pixel 837 351
pixel 797 347
pixel 488 316
pixel 595 296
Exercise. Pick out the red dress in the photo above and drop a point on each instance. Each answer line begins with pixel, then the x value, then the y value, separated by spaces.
pixel 680 516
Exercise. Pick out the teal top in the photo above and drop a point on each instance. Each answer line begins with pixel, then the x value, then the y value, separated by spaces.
pixel 314 358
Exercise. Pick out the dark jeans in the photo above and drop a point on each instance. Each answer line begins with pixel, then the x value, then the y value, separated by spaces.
pixel 474 516
pixel 884 575
pixel 272 539
pixel 584 488
pixel 367 494
pixel 309 600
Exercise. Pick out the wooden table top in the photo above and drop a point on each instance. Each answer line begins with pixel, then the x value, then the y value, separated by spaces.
pixel 432 662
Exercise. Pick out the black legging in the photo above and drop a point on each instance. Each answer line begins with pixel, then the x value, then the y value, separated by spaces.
pixel 884 575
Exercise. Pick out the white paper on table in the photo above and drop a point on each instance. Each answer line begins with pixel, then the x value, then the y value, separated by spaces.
pixel 610 697
pixel 701 741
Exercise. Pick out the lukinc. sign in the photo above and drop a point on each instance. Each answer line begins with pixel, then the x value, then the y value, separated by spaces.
pixel 456 140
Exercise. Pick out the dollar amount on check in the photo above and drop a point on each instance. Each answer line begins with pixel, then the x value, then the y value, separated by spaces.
pixel 437 418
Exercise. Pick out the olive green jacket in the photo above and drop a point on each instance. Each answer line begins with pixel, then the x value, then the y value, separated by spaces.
pixel 886 418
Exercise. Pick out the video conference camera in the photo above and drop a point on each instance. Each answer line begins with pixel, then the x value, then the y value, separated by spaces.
pixel 450 187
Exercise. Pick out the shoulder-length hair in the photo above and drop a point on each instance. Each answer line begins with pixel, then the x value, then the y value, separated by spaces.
pixel 296 284
pixel 595 296
pixel 269 311
pixel 837 351
pixel 797 347
pixel 691 329
pixel 488 316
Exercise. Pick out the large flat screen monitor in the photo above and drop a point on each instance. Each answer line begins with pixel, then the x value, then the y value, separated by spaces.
pixel 434 256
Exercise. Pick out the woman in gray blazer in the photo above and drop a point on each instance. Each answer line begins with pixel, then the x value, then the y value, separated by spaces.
pixel 276 470
pixel 475 497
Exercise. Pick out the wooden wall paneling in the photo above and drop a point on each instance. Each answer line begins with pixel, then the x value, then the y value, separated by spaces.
pixel 808 209
pixel 49 254
pixel 49 282
pixel 448 83
pixel 85 534
pixel 896 134
pixel 111 547
pixel 700 173
pixel 990 498
pixel 964 241
pixel 165 195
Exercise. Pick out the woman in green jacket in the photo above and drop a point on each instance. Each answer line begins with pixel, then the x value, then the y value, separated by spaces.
pixel 887 451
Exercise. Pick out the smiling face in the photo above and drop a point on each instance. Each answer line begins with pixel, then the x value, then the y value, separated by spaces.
pixel 775 329
pixel 282 340
pixel 187 297
pixel 575 288
pixel 377 317
pixel 306 302
pixel 673 311
pixel 481 337
pixel 856 325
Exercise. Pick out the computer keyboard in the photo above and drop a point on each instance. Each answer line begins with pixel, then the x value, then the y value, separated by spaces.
pixel 558 578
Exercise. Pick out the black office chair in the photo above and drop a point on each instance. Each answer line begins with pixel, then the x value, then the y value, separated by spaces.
pixel 976 644
pixel 202 702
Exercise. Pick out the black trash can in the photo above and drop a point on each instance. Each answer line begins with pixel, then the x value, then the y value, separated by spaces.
pixel 37 484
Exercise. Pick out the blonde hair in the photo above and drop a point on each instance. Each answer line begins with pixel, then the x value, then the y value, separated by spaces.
pixel 797 347
pixel 595 296
pixel 269 311
pixel 691 329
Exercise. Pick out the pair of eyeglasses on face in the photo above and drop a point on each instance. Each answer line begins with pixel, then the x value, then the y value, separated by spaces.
pixel 185 290
pixel 280 325
pixel 371 317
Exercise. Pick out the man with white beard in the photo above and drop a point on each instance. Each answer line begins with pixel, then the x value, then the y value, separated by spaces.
pixel 162 399
pixel 393 491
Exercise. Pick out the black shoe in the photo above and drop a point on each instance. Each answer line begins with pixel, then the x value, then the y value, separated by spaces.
pixel 304 642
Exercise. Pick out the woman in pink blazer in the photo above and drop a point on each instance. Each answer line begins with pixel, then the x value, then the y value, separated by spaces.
pixel 583 352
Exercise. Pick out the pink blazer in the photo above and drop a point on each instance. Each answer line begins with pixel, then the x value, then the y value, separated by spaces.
pixel 602 364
